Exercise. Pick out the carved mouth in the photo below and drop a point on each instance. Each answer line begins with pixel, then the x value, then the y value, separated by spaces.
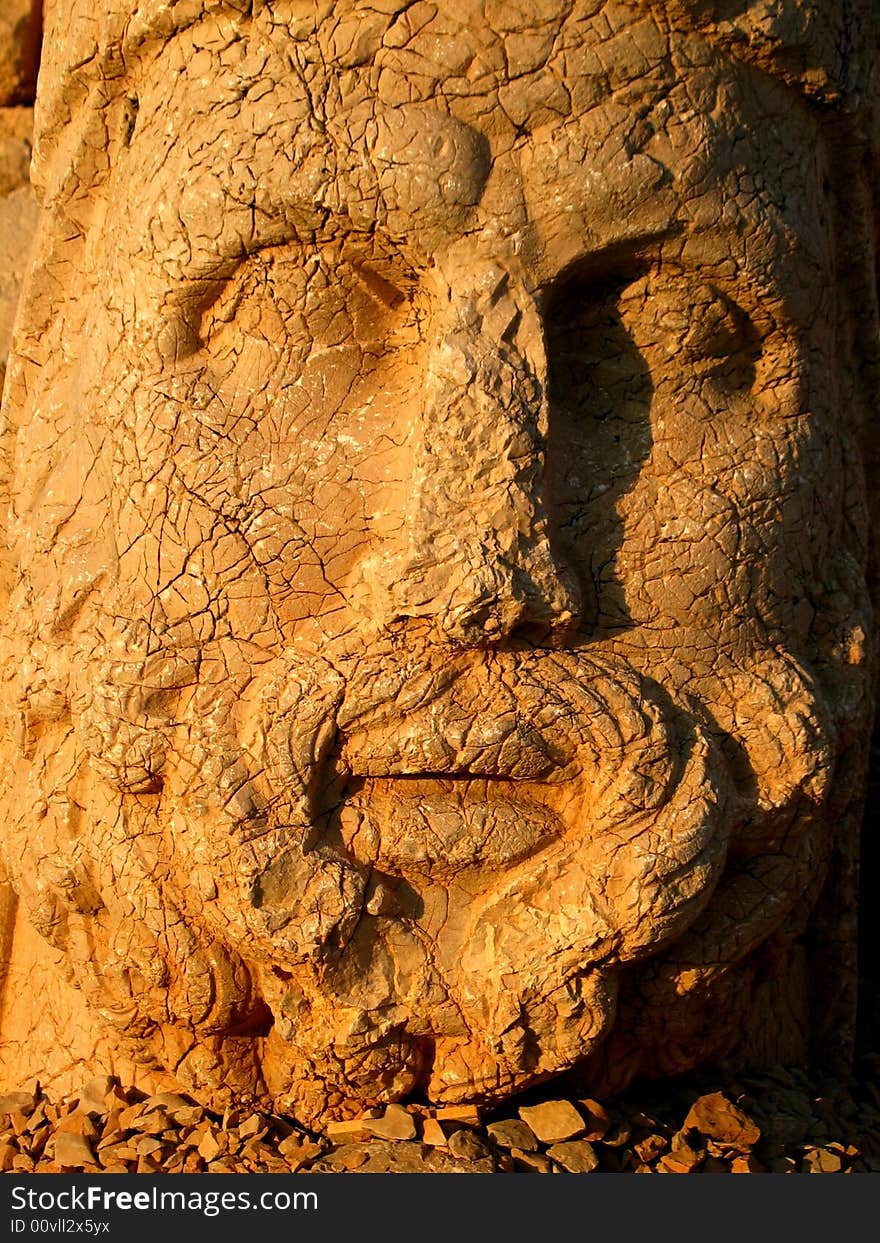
pixel 549 784
pixel 440 792
pixel 450 787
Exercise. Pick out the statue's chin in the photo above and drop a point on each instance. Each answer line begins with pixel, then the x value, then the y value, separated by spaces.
pixel 367 1061
pixel 495 917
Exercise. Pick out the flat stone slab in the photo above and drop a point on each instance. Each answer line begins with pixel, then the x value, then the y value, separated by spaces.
pixel 553 1121
pixel 576 1156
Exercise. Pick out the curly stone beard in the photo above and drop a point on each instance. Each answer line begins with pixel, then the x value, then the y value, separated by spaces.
pixel 361 874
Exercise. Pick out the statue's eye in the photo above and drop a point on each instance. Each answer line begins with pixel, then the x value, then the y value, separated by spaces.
pixel 299 300
pixel 721 341
pixel 260 299
pixel 599 381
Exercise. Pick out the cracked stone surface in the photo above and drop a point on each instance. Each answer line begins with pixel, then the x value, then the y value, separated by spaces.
pixel 437 647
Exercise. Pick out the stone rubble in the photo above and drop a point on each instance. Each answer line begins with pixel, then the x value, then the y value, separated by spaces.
pixel 774 1122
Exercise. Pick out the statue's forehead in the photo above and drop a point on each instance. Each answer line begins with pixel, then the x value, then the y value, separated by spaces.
pixel 469 54
pixel 349 21
pixel 249 113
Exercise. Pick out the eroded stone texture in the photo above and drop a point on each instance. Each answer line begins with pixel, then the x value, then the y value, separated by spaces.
pixel 439 645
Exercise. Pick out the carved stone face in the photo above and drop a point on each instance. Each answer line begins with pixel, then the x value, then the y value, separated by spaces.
pixel 442 544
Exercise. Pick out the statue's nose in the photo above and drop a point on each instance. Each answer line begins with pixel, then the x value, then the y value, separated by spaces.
pixel 476 553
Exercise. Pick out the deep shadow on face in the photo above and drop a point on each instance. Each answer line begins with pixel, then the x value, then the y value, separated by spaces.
pixel 600 395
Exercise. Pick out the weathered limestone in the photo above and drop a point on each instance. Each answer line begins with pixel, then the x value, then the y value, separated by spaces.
pixel 438 649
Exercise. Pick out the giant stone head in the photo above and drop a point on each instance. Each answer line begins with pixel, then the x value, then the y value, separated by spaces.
pixel 438 644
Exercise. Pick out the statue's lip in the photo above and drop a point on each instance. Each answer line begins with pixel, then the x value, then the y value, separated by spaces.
pixel 523 768
pixel 441 823
pixel 432 756
pixel 452 775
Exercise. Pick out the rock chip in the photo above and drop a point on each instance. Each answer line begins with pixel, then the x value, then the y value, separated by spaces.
pixel 78 1124
pixel 598 1120
pixel 351 1158
pixel 73 1150
pixel 577 1156
pixel 718 1118
pixel 129 1116
pixel 17 1102
pixel 468 1146
pixel 301 1157
pixel 553 1121
pixel 531 1162
pixel 433 1133
pixel 651 1147
pixel 821 1161
pixel 209 1148
pixel 93 1097
pixel 513 1133
pixel 146 1145
pixel 686 1153
pixel 395 1124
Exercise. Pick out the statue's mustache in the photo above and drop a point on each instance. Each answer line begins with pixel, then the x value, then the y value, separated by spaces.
pixel 400 707
pixel 531 715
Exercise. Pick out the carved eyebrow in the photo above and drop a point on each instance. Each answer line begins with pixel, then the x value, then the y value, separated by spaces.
pixel 198 284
